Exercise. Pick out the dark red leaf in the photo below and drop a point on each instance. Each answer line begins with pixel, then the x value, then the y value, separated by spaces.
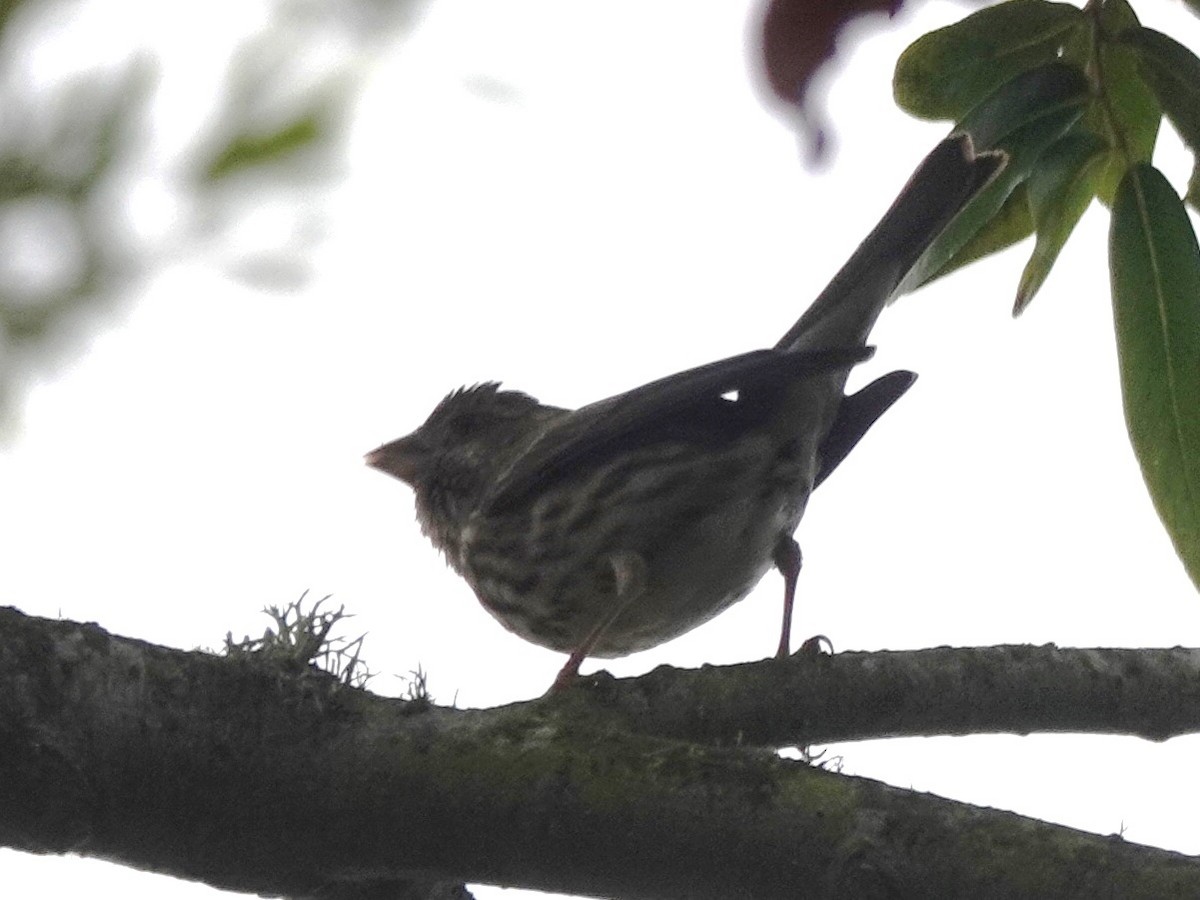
pixel 799 35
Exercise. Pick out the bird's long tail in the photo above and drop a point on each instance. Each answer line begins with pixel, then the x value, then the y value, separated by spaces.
pixel 845 312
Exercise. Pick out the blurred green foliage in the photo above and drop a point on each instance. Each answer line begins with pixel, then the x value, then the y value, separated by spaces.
pixel 76 136
pixel 249 149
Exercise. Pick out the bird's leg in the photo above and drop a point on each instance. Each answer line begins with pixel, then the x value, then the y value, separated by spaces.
pixel 788 562
pixel 629 576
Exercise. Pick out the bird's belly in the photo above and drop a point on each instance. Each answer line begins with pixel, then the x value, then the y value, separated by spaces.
pixel 717 563
pixel 692 564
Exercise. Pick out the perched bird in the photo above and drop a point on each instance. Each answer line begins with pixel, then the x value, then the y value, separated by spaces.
pixel 625 523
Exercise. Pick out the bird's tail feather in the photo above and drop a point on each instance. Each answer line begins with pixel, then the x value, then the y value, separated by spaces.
pixel 845 312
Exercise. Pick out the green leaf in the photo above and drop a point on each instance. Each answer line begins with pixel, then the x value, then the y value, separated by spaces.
pixel 1193 188
pixel 944 73
pixel 246 150
pixel 1125 111
pixel 1023 117
pixel 1173 73
pixel 1156 305
pixel 1033 95
pixel 1060 189
pixel 1012 223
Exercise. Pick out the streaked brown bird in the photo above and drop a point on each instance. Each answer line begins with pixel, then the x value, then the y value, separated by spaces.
pixel 615 527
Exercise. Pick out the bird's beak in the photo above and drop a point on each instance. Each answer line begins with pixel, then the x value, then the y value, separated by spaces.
pixel 402 458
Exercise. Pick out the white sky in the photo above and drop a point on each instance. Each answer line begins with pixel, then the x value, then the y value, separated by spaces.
pixel 575 200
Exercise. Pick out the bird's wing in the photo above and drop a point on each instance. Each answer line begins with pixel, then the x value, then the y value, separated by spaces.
pixel 686 406
pixel 856 414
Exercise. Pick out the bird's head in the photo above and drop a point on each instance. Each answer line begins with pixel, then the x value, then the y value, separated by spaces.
pixel 470 436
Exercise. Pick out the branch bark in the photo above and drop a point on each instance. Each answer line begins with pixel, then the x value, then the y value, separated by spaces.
pixel 1148 693
pixel 247 777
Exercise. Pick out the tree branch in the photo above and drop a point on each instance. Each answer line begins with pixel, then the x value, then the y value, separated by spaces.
pixel 1149 693
pixel 236 773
